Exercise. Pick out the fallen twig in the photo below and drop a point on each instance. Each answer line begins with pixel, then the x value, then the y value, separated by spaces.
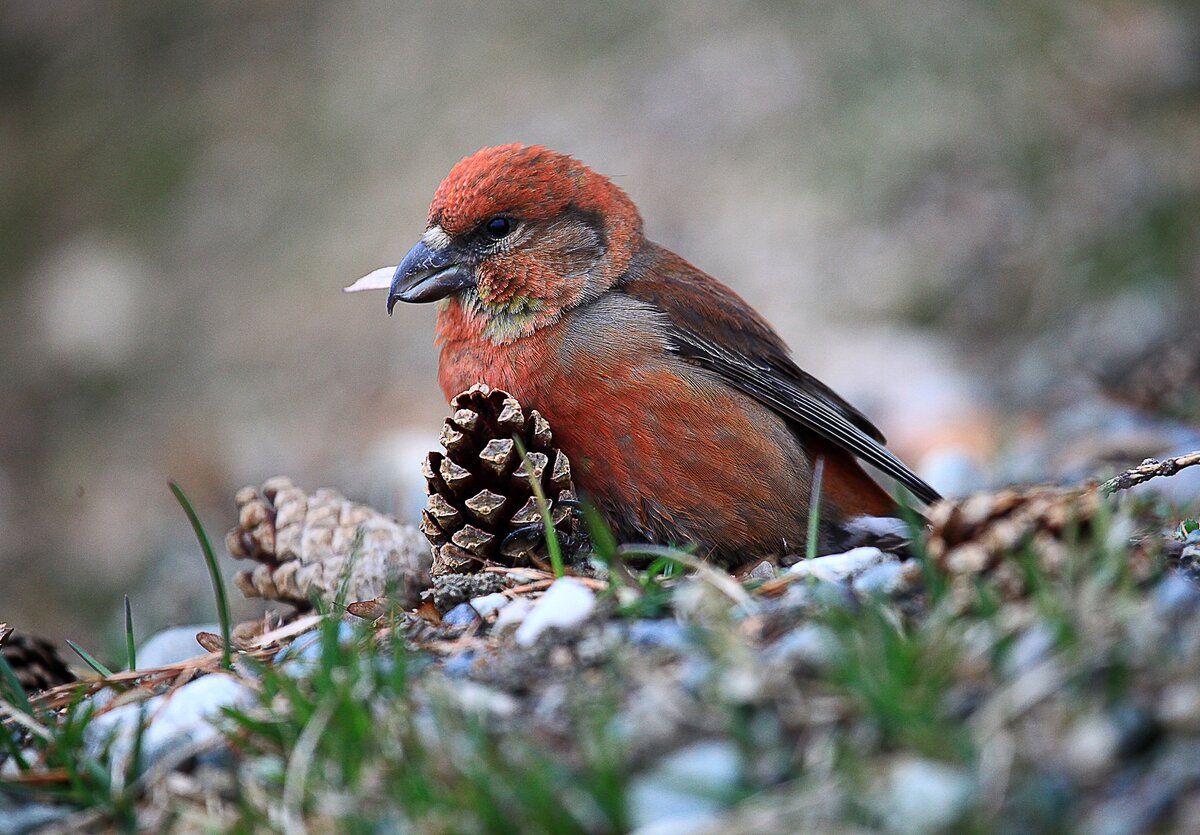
pixel 175 675
pixel 1148 469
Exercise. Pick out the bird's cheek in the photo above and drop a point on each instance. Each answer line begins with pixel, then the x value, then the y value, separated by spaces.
pixel 498 281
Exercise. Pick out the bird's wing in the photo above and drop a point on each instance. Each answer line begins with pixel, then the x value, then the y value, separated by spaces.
pixel 710 326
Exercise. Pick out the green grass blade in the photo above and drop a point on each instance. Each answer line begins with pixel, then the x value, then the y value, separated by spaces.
pixel 604 544
pixel 814 509
pixel 10 687
pixel 552 545
pixel 89 660
pixel 130 647
pixel 214 573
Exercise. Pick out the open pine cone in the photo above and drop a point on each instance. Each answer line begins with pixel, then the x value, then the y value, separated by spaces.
pixel 307 544
pixel 479 489
pixel 36 662
pixel 982 536
pixel 974 535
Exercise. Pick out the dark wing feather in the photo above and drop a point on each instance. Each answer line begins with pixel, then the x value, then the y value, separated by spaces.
pixel 711 326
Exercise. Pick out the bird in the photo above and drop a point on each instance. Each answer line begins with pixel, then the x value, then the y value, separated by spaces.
pixel 685 418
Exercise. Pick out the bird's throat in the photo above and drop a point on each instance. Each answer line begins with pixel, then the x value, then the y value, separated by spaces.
pixel 468 316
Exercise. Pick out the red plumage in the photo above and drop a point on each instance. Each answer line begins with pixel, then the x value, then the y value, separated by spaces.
pixel 683 415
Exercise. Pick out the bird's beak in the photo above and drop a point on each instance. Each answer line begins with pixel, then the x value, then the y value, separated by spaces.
pixel 426 275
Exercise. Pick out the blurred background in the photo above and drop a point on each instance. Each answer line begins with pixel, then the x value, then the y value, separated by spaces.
pixel 979 221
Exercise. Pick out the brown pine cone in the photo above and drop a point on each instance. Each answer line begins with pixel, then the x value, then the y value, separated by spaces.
pixel 36 662
pixel 984 535
pixel 479 489
pixel 304 543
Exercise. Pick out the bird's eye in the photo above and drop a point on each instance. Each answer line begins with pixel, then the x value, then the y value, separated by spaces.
pixel 498 227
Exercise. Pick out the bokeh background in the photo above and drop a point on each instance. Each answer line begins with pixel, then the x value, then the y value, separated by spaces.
pixel 974 219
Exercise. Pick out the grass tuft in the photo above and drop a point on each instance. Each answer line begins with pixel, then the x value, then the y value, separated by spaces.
pixel 391 742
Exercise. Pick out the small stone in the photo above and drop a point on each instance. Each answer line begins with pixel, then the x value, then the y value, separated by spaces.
pixel 183 719
pixel 9 770
pixel 1091 747
pixel 461 615
pixel 479 699
pixel 762 572
pixel 23 818
pixel 512 614
pixel 1033 645
pixel 305 650
pixel 490 603
pixel 567 603
pixel 925 796
pixel 884 532
pixel 1179 706
pixel 686 789
pixel 459 664
pixel 883 580
pixel 810 647
pixel 833 595
pixel 1176 595
pixel 663 632
pixel 171 646
pixel 841 567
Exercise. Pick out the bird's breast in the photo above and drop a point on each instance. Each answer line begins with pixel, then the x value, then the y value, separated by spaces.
pixel 666 449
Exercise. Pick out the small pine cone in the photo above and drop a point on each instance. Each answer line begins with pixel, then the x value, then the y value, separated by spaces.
pixel 479 489
pixel 974 535
pixel 36 662
pixel 304 542
pixel 984 535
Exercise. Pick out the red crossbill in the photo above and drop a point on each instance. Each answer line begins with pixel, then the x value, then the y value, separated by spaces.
pixel 684 416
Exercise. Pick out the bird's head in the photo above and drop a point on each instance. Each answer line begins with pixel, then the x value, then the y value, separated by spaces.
pixel 517 235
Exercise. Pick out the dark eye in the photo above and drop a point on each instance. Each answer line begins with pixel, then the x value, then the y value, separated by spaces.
pixel 498 227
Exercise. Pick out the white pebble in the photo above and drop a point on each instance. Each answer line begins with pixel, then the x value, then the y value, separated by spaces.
pixel 512 614
pixel 686 790
pixel 565 604
pixel 837 568
pixel 171 646
pixel 490 603
pixel 926 796
pixel 185 718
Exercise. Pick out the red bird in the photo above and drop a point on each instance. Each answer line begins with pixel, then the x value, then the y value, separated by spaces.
pixel 683 415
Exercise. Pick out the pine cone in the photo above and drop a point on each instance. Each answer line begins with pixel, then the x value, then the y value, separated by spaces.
pixel 304 542
pixel 984 535
pixel 35 661
pixel 479 490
